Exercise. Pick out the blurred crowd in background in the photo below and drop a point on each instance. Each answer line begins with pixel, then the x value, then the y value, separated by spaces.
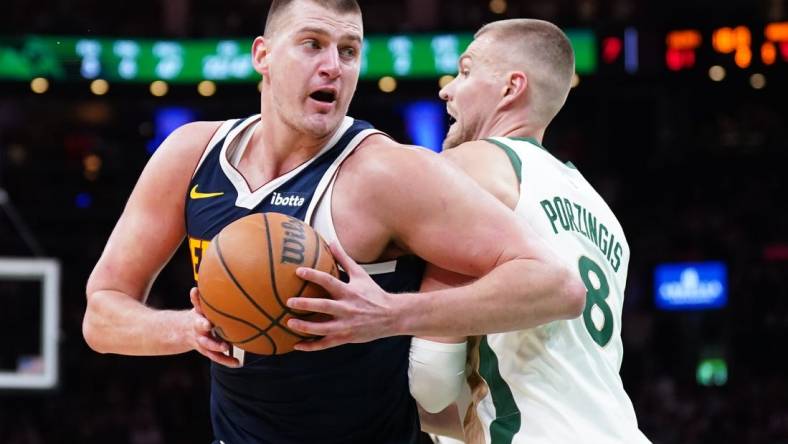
pixel 694 169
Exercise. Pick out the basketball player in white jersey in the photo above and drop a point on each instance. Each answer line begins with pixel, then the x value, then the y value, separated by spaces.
pixel 387 200
pixel 557 382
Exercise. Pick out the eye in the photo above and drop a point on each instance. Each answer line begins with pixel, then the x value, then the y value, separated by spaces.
pixel 348 52
pixel 312 44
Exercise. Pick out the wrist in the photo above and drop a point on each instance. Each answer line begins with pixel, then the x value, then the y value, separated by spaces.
pixel 403 312
pixel 179 336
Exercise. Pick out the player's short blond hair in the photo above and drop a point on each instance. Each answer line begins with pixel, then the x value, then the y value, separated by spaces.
pixel 280 6
pixel 543 52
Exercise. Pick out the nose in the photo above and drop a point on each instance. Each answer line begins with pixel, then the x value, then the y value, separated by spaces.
pixel 444 93
pixel 330 66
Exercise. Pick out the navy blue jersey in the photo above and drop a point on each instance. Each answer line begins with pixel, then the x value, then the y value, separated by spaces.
pixel 356 393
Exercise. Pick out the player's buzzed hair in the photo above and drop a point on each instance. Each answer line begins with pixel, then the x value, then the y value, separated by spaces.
pixel 280 6
pixel 544 53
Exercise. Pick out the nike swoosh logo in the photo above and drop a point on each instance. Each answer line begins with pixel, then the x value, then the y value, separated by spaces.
pixel 194 194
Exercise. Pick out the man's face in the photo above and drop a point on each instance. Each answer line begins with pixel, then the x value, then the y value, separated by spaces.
pixel 472 96
pixel 312 66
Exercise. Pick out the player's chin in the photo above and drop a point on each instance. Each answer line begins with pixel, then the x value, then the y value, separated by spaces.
pixel 451 140
pixel 320 125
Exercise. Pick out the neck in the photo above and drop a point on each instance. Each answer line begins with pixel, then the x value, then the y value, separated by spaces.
pixel 277 148
pixel 510 125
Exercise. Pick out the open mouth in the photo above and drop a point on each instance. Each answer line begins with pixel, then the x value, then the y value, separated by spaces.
pixel 324 95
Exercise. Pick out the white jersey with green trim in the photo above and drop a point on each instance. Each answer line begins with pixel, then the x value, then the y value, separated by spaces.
pixel 559 382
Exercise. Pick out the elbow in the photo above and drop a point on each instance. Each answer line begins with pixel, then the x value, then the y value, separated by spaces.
pixel 574 294
pixel 91 328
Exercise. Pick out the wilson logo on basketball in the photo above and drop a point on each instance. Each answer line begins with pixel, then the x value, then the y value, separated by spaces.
pixel 247 274
pixel 292 200
pixel 293 244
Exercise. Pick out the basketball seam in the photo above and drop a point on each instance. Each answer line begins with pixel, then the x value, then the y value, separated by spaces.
pixel 241 320
pixel 314 263
pixel 272 275
pixel 285 309
pixel 237 284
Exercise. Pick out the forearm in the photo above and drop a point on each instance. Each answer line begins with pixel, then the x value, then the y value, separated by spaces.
pixel 444 423
pixel 117 323
pixel 516 295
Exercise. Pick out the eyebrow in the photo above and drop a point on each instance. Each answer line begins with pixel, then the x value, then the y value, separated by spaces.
pixel 321 31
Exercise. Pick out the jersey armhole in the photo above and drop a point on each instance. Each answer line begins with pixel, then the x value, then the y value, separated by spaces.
pixel 219 133
pixel 515 160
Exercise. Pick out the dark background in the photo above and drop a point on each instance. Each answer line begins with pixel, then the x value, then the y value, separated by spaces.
pixel 694 169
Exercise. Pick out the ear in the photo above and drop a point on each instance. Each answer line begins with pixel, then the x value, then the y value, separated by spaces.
pixel 260 55
pixel 514 90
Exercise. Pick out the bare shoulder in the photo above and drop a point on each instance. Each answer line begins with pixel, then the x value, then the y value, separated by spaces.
pixel 189 140
pixel 177 157
pixel 388 169
pixel 382 157
pixel 172 165
pixel 372 194
pixel 489 166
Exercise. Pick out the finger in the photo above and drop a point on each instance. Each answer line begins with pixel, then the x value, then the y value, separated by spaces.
pixel 347 262
pixel 194 296
pixel 220 358
pixel 202 325
pixel 211 344
pixel 316 305
pixel 331 284
pixel 319 344
pixel 314 328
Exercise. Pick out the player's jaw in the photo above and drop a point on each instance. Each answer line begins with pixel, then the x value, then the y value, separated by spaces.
pixel 456 134
pixel 468 116
pixel 472 110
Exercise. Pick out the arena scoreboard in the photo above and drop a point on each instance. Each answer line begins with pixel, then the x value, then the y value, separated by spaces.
pixel 191 61
pixel 630 51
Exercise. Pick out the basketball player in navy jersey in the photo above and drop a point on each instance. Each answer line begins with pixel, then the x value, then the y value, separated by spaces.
pixel 379 201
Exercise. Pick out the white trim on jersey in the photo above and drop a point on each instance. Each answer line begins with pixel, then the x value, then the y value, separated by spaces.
pixel 238 353
pixel 330 175
pixel 220 133
pixel 378 267
pixel 320 207
pixel 323 222
pixel 246 198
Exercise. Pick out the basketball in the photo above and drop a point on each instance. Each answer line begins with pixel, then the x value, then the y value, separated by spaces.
pixel 247 274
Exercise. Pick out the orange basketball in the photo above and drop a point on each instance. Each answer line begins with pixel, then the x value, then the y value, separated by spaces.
pixel 248 273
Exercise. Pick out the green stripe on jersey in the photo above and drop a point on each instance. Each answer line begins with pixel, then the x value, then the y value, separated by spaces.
pixel 517 164
pixel 536 142
pixel 507 416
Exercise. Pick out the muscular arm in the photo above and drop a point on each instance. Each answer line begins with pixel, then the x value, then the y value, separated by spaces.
pixel 523 284
pixel 428 207
pixel 147 234
pixel 491 169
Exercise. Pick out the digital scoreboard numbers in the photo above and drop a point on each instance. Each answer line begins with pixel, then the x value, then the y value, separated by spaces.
pixel 682 46
pixel 776 43
pixel 415 56
pixel 172 61
pixel 740 46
